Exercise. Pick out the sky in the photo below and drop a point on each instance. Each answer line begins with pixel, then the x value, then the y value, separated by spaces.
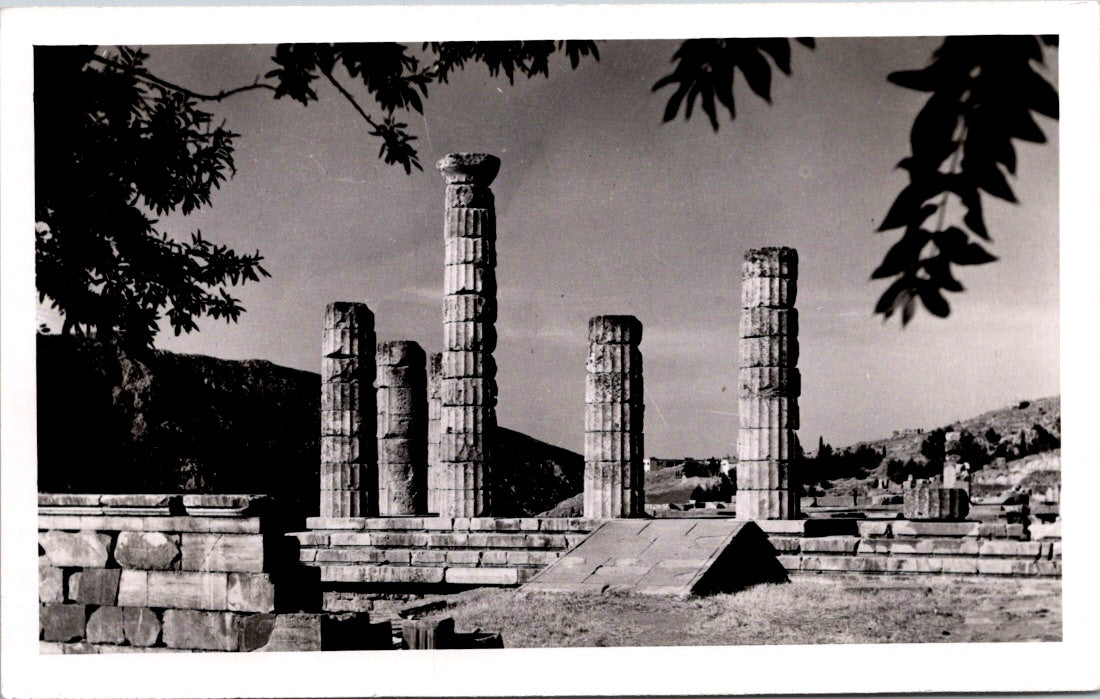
pixel 601 209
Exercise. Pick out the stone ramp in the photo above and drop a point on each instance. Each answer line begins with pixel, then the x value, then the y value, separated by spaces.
pixel 674 557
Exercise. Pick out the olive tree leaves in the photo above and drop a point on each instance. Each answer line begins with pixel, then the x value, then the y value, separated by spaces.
pixel 705 70
pixel 396 79
pixel 983 90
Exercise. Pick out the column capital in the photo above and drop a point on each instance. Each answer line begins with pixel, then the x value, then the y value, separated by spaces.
pixel 469 168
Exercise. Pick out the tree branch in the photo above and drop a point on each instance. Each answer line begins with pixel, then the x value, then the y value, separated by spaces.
pixel 143 75
pixel 349 97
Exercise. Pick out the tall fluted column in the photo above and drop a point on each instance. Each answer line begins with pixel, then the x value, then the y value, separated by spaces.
pixel 348 458
pixel 613 426
pixel 769 386
pixel 435 368
pixel 468 391
pixel 402 429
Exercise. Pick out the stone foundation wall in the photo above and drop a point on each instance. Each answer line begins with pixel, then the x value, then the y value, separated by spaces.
pixel 149 573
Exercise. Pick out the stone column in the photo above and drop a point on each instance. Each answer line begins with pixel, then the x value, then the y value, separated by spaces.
pixel 402 429
pixel 435 368
pixel 468 391
pixel 613 426
pixel 769 386
pixel 348 458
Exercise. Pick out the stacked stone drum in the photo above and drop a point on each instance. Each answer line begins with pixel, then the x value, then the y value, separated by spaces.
pixel 402 429
pixel 769 386
pixel 613 430
pixel 348 460
pixel 468 390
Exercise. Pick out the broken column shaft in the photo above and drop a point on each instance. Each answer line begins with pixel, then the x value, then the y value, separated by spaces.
pixel 348 463
pixel 468 390
pixel 613 426
pixel 435 368
pixel 769 385
pixel 402 429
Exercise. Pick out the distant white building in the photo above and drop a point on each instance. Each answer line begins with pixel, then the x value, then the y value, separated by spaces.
pixel 725 466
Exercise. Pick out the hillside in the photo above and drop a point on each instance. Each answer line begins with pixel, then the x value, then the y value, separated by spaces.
pixel 191 423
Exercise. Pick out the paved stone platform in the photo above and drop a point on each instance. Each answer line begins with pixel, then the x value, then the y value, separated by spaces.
pixel 676 557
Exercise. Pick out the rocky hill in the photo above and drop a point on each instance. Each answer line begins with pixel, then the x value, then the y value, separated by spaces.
pixel 189 423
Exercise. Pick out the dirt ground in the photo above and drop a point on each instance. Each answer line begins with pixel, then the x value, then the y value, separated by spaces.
pixel 808 610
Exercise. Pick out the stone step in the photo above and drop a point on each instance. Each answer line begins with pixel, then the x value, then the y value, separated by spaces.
pixel 428 557
pixel 427 575
pixel 439 540
pixel 919 546
pixel 950 565
pixel 558 525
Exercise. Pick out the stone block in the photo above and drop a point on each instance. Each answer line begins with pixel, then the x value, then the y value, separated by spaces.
pixel 768 413
pixel 347 449
pixel 494 558
pixel 95 586
pixel 1015 531
pixel 924 564
pixel 210 525
pixel 347 395
pixel 613 417
pixel 777 350
pixel 243 553
pixel 62 622
pixel 959 565
pixel 917 528
pixel 399 353
pixel 614 329
pixel 768 322
pixel 463 419
pixel 874 529
pixel 761 475
pixel 1022 549
pixel 462 364
pixel 613 446
pixel 479 252
pixel 926 501
pixel 992 530
pixel 786 544
pixel 769 292
pixel 427 557
pixel 382 574
pixel 341 601
pixel 250 592
pixel 188 590
pixel 346 369
pixel 613 388
pixel 766 381
pixel 51 582
pixel 340 476
pixel 460 476
pixel 790 563
pixel 140 626
pixel 463 222
pixel 468 335
pixel 468 391
pixel 830 544
pixel 1046 531
pixel 1048 568
pixel 766 504
pixel 202 630
pixel 1006 566
pixel 105 625
pixel 770 262
pixel 148 550
pixel 482 576
pixel 84 549
pixel 614 359
pixel 133 588
pixel 344 503
pixel 466 558
pixel 345 423
pixel 459 447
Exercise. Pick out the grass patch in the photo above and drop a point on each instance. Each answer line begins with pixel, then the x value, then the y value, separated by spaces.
pixel 805 611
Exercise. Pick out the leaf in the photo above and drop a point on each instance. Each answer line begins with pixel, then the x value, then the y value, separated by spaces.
pixel 755 68
pixel 808 42
pixel 932 299
pixel 904 255
pixel 973 254
pixel 779 50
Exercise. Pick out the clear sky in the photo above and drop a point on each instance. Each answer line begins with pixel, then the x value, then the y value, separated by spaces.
pixel 601 208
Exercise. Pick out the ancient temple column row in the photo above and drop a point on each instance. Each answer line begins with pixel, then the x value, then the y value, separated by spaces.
pixel 435 371
pixel 402 429
pixel 348 462
pixel 468 390
pixel 613 429
pixel 768 386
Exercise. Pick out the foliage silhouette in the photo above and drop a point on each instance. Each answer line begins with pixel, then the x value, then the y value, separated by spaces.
pixel 983 90
pixel 111 152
